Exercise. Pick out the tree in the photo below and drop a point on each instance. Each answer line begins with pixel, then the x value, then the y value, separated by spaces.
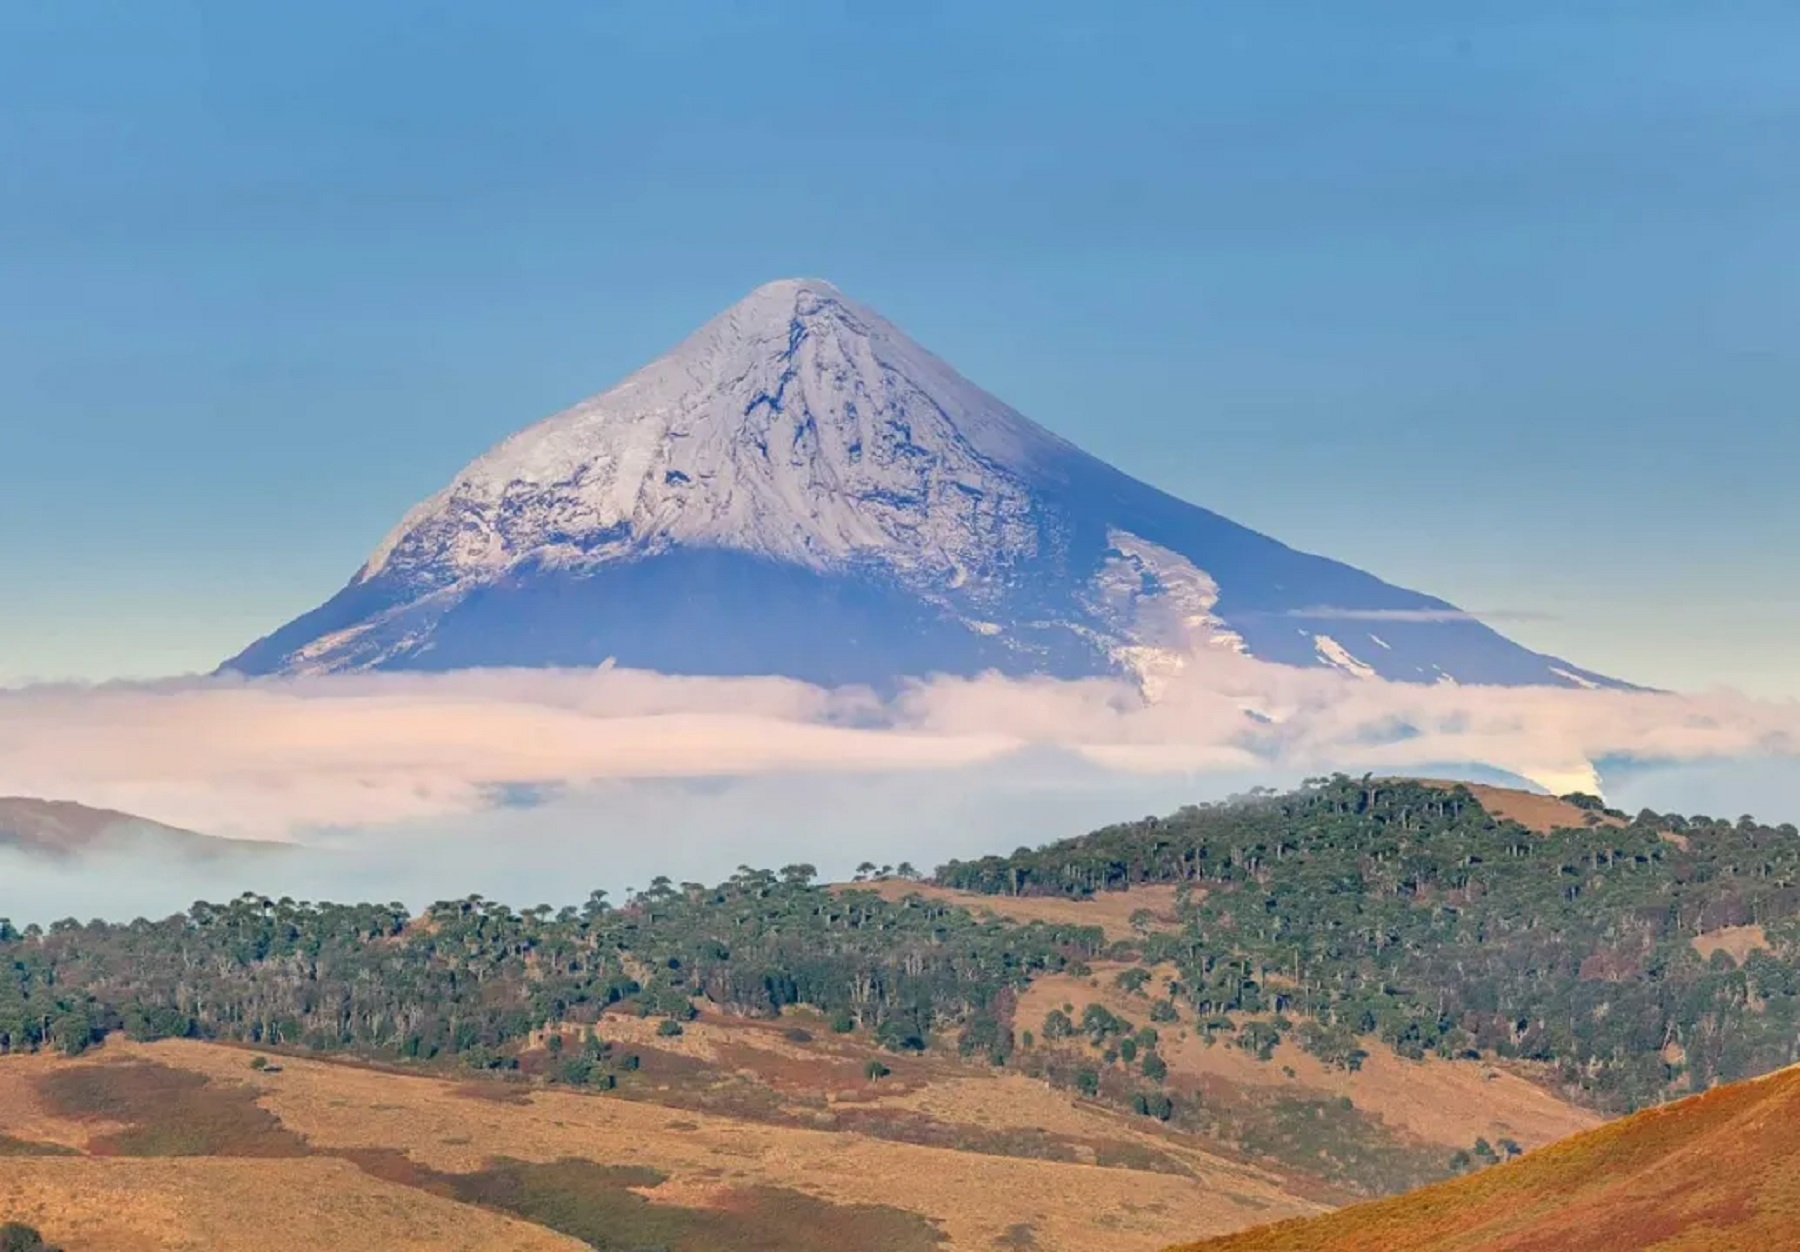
pixel 18 1237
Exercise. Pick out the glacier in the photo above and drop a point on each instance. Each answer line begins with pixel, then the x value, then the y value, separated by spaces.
pixel 800 489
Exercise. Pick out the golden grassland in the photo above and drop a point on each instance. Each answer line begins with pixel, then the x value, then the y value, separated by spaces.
pixel 215 1204
pixel 974 1197
pixel 1428 1102
pixel 1712 1173
pixel 183 1145
pixel 1530 809
pixel 1736 942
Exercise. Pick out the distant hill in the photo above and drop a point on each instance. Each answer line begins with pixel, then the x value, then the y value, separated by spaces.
pixel 1714 1171
pixel 63 830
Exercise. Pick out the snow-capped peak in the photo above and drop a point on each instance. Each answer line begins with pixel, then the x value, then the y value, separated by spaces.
pixel 797 425
pixel 798 488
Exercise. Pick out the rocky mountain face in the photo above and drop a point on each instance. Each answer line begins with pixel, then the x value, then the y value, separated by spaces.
pixel 800 489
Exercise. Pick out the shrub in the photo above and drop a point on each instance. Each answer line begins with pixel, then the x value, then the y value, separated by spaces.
pixel 1133 980
pixel 18 1237
pixel 1153 1104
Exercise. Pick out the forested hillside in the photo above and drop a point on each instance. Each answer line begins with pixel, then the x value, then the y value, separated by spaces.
pixel 1348 911
pixel 474 977
pixel 1406 911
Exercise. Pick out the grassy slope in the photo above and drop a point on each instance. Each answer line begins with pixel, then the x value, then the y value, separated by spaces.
pixel 1711 1173
pixel 654 1164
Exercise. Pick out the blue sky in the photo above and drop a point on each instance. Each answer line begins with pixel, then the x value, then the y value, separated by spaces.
pixel 1500 301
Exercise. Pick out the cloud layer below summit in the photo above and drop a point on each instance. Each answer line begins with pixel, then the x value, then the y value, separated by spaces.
pixel 280 759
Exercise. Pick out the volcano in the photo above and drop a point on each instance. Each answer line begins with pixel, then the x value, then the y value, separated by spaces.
pixel 799 489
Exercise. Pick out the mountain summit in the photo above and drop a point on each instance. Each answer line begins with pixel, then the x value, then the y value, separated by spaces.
pixel 800 489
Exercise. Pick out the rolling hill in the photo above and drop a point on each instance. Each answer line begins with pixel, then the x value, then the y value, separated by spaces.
pixel 64 830
pixel 1718 1172
pixel 1169 1028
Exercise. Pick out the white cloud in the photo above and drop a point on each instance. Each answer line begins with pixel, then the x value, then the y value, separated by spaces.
pixel 273 759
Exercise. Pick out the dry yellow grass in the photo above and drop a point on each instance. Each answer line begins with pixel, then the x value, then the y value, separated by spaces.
pixel 976 1199
pixel 1718 1172
pixel 1449 1103
pixel 204 1204
pixel 1737 942
pixel 1531 810
pixel 1109 910
pixel 25 1115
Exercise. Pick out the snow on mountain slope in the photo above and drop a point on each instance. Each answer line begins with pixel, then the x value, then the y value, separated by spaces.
pixel 800 489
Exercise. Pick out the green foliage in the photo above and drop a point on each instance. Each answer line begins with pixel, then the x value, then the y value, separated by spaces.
pixel 985 1035
pixel 1260 1038
pixel 1334 1044
pixel 1133 980
pixel 1360 907
pixel 1349 909
pixel 1155 1104
pixel 1100 1024
pixel 473 979
pixel 18 1237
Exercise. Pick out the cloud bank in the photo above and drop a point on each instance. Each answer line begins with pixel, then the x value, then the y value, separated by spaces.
pixel 287 759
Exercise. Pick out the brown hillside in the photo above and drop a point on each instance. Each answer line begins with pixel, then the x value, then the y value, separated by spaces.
pixel 1431 1103
pixel 740 1138
pixel 96 1204
pixel 1530 809
pixel 1718 1172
